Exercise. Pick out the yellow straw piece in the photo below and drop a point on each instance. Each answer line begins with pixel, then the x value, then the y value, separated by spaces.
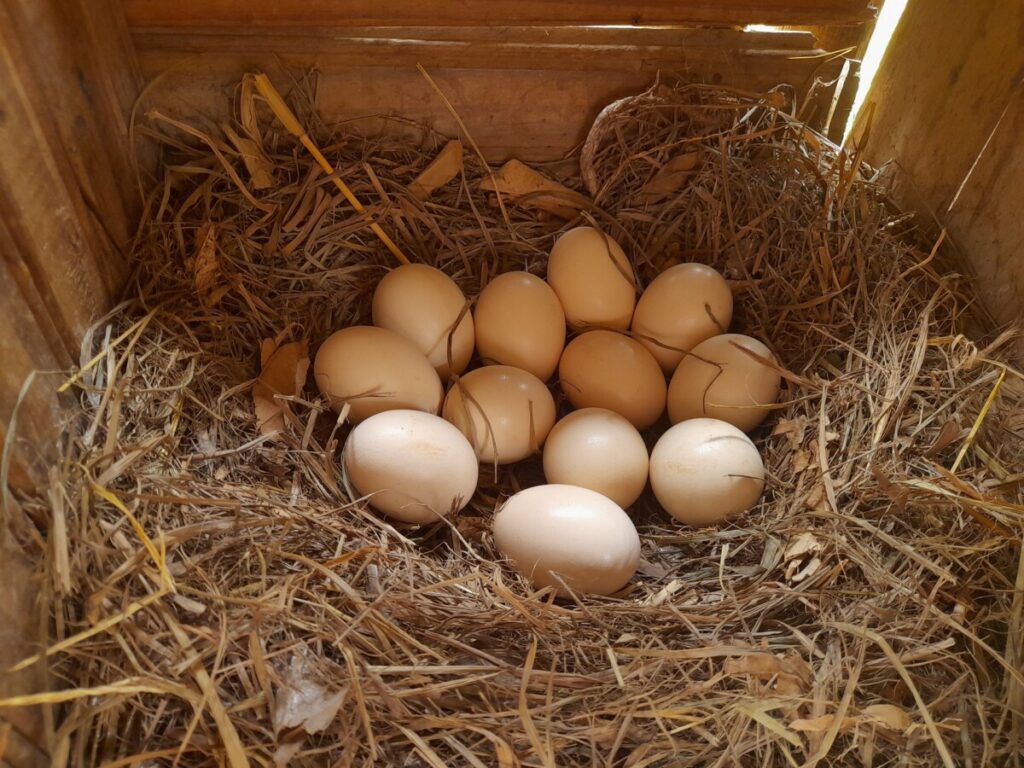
pixel 294 127
pixel 978 421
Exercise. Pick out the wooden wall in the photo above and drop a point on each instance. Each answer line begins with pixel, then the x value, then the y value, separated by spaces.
pixel 950 114
pixel 526 76
pixel 68 202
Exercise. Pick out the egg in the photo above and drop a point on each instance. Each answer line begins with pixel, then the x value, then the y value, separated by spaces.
pixel 520 322
pixel 505 412
pixel 597 449
pixel 373 370
pixel 412 466
pixel 720 381
pixel 422 304
pixel 593 279
pixel 604 369
pixel 562 533
pixel 704 471
pixel 682 307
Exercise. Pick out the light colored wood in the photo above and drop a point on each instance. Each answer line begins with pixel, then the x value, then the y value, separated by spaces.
pixel 285 13
pixel 950 107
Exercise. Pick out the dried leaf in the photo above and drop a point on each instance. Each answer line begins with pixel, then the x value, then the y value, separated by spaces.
pixel 949 434
pixel 791 673
pixel 800 461
pixel 206 268
pixel 821 724
pixel 261 170
pixel 670 178
pixel 804 544
pixel 532 190
pixel 887 715
pixel 285 752
pixel 442 169
pixel 302 701
pixel 283 372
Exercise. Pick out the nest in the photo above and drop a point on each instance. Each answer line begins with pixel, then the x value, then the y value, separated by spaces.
pixel 220 598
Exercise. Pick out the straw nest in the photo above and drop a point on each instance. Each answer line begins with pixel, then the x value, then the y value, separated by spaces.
pixel 220 598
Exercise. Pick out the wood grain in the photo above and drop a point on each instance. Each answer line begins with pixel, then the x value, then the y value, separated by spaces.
pixel 564 75
pixel 332 13
pixel 949 100
pixel 68 204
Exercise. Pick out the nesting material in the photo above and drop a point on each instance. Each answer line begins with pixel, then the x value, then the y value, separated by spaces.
pixel 220 597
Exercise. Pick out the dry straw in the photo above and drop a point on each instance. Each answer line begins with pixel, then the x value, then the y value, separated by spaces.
pixel 219 598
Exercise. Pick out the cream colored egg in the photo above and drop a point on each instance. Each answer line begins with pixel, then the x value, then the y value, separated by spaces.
pixel 562 533
pixel 593 279
pixel 505 412
pixel 412 466
pixel 704 471
pixel 604 369
pixel 597 449
pixel 422 304
pixel 520 322
pixel 682 307
pixel 375 370
pixel 720 381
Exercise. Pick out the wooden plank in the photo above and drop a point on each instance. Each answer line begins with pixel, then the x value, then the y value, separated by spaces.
pixel 711 59
pixel 948 98
pixel 535 115
pixel 199 14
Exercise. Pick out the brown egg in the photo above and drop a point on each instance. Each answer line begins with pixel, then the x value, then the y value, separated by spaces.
pixel 561 533
pixel 604 369
pixel 597 449
pixel 720 381
pixel 593 279
pixel 505 412
pixel 413 466
pixel 423 304
pixel 682 307
pixel 375 370
pixel 704 471
pixel 520 322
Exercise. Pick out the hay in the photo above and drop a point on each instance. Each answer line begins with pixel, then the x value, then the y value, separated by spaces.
pixel 224 600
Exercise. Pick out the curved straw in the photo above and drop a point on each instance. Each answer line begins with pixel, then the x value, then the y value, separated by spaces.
pixel 291 122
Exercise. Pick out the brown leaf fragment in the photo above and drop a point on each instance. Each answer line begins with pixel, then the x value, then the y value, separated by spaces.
pixel 283 372
pixel 670 178
pixel 206 267
pixel 887 716
pixel 261 170
pixel 949 434
pixel 442 169
pixel 532 190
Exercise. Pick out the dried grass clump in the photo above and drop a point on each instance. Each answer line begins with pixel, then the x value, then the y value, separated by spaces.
pixel 219 598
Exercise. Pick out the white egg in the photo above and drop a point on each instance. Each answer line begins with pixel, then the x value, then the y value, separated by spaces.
pixel 412 466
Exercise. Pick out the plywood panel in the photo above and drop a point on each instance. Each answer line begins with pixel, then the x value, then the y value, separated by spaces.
pixel 333 13
pixel 948 101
